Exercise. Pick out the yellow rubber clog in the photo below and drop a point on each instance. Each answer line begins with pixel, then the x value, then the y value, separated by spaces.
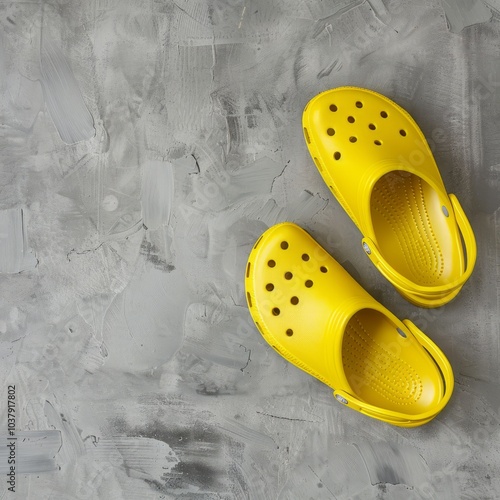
pixel 313 313
pixel 378 165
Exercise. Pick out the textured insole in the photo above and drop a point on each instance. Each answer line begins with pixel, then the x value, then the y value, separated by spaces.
pixel 410 229
pixel 382 371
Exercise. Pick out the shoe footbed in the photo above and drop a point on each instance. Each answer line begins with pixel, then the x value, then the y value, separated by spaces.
pixel 413 231
pixel 387 371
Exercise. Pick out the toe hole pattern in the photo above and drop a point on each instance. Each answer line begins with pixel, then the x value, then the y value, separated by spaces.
pixel 284 245
pixel 351 119
pixel 333 108
pixel 337 155
pixel 330 131
pixel 309 283
pixel 353 139
pixel 403 132
pixel 371 126
pixel 271 263
pixel 294 300
pixel 305 257
pixel 384 114
pixel 289 332
pixel 269 287
pixel 359 104
pixel 377 143
pixel 323 269
pixel 276 311
pixel 288 275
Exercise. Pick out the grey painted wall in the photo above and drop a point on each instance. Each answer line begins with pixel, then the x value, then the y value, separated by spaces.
pixel 144 146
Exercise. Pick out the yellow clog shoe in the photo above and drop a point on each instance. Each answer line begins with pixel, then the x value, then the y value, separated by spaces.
pixel 313 313
pixel 378 165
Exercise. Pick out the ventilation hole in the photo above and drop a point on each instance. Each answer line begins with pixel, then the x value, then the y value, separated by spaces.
pixel 323 269
pixel 336 155
pixel 288 275
pixel 330 131
pixel 403 334
pixel 294 300
pixel 351 119
pixel 269 287
pixel 248 269
pixel 353 139
pixel 276 311
pixel 306 135
pixel 333 107
pixel 359 104
pixel 284 245
pixel 271 263
pixel 289 332
pixel 258 241
pixel 305 257
pixel 249 299
pixel 403 132
pixel 309 283
pixel 377 143
pixel 371 126
pixel 318 164
pixel 383 114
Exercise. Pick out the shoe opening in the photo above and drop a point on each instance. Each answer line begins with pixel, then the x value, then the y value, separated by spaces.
pixel 414 230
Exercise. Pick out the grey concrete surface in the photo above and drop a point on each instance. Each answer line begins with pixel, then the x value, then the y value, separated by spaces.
pixel 144 146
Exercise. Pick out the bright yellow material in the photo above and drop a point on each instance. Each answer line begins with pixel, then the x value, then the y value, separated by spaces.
pixel 378 165
pixel 313 313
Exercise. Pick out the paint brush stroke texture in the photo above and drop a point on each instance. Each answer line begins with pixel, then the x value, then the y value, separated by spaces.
pixel 35 451
pixel 462 13
pixel 63 96
pixel 15 255
pixel 133 338
pixel 144 458
pixel 157 193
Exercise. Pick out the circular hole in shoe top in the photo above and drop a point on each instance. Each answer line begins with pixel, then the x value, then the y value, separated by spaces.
pixel 351 119
pixel 284 245
pixel 384 114
pixel 330 131
pixel 377 143
pixel 276 311
pixel 288 275
pixel 323 269
pixel 359 104
pixel 294 300
pixel 403 132
pixel 309 283
pixel 271 263
pixel 305 257
pixel 337 155
pixel 269 287
pixel 333 107
pixel 353 139
pixel 289 332
pixel 371 126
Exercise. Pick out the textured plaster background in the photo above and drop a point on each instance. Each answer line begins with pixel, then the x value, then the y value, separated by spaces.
pixel 144 146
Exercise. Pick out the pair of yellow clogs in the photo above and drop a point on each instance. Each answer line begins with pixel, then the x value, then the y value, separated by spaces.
pixel 378 165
